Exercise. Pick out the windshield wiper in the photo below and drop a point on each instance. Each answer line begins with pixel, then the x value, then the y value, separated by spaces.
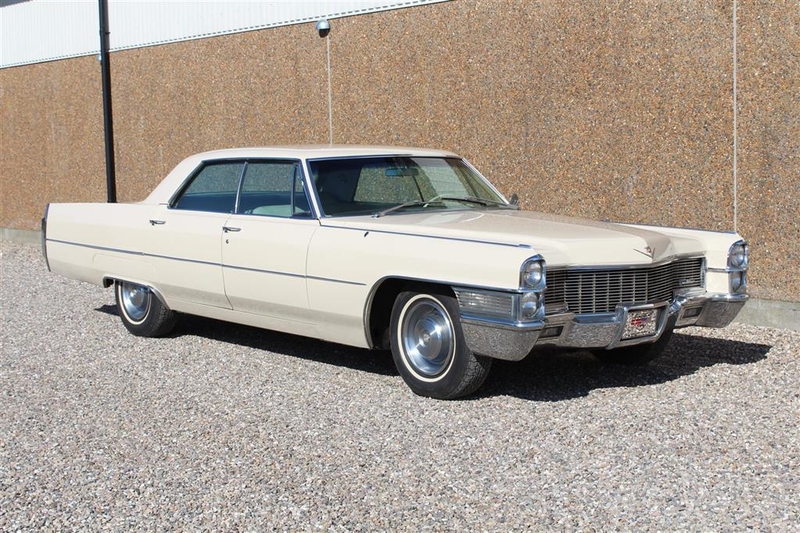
pixel 439 199
pixel 480 201
pixel 412 203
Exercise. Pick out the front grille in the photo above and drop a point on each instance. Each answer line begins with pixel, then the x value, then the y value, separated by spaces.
pixel 600 290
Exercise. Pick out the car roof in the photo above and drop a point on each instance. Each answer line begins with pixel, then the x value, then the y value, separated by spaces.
pixel 170 184
pixel 321 151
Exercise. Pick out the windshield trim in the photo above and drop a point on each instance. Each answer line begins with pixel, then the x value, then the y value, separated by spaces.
pixel 495 200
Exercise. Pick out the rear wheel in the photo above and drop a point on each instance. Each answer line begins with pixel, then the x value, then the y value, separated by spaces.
pixel 141 311
pixel 429 349
pixel 640 354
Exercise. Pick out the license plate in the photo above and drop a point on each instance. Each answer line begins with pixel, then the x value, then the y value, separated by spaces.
pixel 641 324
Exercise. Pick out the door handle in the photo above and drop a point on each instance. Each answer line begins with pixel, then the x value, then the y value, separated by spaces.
pixel 157 222
pixel 229 229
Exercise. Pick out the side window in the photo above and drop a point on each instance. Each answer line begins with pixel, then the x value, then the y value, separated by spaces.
pixel 273 188
pixel 212 189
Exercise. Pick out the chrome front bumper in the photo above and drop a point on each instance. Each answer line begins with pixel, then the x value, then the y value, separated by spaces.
pixel 514 341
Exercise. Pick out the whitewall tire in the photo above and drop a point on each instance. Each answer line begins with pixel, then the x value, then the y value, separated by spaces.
pixel 429 349
pixel 142 313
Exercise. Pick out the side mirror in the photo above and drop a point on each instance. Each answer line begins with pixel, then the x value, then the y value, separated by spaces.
pixel 515 200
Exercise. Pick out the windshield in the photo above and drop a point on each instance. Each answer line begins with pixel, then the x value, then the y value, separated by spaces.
pixel 384 185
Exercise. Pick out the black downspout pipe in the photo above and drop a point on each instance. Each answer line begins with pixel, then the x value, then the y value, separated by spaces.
pixel 108 121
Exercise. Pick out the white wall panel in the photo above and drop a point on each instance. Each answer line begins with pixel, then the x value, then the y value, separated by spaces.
pixel 36 31
pixel 46 30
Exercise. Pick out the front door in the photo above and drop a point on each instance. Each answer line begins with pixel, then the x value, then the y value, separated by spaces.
pixel 265 243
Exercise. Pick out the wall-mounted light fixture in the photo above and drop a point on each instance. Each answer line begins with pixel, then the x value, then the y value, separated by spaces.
pixel 323 27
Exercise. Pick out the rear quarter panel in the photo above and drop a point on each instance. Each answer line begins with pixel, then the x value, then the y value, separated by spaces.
pixel 91 241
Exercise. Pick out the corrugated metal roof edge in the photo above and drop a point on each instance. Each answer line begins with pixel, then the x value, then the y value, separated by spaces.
pixel 292 22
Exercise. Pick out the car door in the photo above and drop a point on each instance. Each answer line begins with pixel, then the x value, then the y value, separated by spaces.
pixel 265 243
pixel 187 235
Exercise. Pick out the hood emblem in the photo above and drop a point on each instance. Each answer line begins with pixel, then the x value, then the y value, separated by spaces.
pixel 647 251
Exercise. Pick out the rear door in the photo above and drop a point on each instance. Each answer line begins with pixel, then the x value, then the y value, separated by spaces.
pixel 187 235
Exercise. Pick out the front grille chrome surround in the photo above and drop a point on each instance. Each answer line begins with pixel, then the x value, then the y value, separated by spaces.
pixel 600 290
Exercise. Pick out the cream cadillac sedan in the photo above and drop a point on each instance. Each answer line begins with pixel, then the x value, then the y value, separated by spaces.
pixel 393 248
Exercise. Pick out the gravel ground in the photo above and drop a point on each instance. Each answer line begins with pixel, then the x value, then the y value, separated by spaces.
pixel 224 427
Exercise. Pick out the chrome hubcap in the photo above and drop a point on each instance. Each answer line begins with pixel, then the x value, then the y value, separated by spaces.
pixel 427 337
pixel 136 300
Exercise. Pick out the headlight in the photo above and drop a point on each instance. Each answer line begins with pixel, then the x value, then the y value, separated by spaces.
pixel 737 267
pixel 737 255
pixel 738 282
pixel 530 306
pixel 532 284
pixel 532 274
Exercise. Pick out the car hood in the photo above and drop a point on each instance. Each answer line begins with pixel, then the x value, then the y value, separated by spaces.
pixel 560 239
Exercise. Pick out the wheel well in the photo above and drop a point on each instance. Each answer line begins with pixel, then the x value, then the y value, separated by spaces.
pixel 109 282
pixel 380 311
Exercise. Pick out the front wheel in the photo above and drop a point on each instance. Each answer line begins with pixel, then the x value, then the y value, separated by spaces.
pixel 636 355
pixel 141 311
pixel 429 349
